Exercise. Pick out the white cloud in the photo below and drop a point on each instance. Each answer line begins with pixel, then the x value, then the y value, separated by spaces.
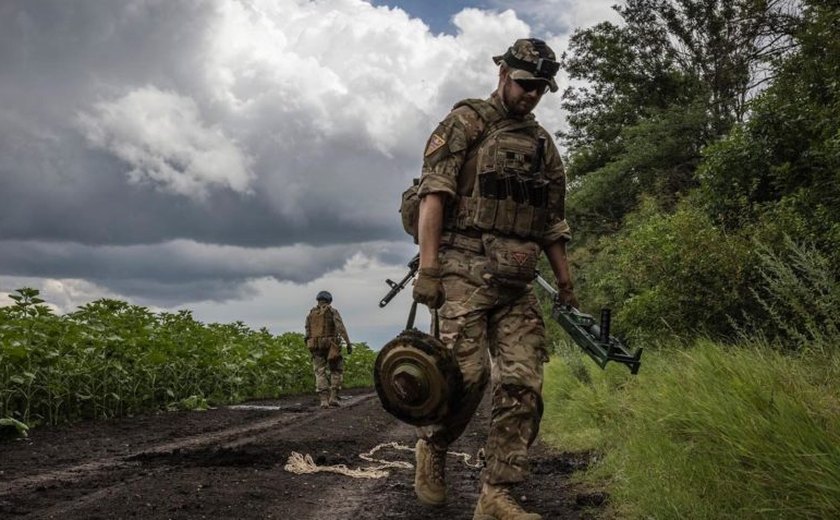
pixel 357 286
pixel 554 18
pixel 61 295
pixel 161 135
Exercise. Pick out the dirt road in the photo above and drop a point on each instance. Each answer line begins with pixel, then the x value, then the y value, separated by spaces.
pixel 229 463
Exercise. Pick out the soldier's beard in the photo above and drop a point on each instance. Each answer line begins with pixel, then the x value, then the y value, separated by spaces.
pixel 517 105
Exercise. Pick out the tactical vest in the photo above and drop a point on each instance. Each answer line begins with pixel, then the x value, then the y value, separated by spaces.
pixel 501 185
pixel 321 322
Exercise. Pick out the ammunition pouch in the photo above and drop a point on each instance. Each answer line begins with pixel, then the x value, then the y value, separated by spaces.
pixel 334 352
pixel 511 262
pixel 410 209
pixel 509 205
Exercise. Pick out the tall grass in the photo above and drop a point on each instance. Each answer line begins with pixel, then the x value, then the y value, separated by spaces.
pixel 711 431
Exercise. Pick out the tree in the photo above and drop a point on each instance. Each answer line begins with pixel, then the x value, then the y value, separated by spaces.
pixel 781 168
pixel 655 90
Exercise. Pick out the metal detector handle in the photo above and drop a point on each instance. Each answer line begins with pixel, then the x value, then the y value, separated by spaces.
pixel 593 338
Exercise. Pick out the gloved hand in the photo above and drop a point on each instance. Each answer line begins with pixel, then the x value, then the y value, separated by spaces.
pixel 349 347
pixel 428 289
pixel 566 294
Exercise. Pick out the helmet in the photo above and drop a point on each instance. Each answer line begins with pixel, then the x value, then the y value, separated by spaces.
pixel 325 296
pixel 417 378
pixel 531 59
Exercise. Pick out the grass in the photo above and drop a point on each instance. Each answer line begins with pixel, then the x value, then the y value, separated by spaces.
pixel 706 432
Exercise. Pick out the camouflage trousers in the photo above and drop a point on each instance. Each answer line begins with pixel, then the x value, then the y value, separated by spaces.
pixel 319 348
pixel 497 335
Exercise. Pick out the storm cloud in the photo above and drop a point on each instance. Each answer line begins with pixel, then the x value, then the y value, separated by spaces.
pixel 176 152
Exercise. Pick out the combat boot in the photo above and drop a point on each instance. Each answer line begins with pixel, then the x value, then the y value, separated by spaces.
pixel 429 478
pixel 334 398
pixel 325 399
pixel 495 503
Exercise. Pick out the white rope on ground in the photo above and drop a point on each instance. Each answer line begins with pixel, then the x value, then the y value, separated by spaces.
pixel 300 464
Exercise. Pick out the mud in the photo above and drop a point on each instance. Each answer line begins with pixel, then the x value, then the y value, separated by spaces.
pixel 229 463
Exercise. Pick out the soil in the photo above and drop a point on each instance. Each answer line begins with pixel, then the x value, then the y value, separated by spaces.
pixel 229 462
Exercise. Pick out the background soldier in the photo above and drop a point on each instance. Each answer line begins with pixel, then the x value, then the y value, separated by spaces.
pixel 492 198
pixel 324 332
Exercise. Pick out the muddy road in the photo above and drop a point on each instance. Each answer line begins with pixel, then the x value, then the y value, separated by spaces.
pixel 230 463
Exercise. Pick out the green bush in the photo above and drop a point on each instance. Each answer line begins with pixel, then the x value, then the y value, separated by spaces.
pixel 799 298
pixel 668 274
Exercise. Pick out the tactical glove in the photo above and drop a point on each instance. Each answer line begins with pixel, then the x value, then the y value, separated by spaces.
pixel 566 294
pixel 428 289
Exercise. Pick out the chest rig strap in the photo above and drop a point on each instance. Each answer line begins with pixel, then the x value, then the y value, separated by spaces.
pixel 497 191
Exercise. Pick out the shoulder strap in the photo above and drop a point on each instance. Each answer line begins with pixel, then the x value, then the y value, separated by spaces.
pixel 485 110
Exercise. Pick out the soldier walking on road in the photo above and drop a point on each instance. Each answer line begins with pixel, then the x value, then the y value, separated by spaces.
pixel 324 332
pixel 492 199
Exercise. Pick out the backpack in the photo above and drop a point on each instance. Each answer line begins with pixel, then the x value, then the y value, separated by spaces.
pixel 410 209
pixel 321 322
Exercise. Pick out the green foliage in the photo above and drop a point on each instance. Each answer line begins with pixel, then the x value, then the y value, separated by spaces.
pixel 12 428
pixel 781 169
pixel 659 158
pixel 668 274
pixel 711 432
pixel 111 358
pixel 358 366
pixel 655 90
pixel 799 298
pixel 688 227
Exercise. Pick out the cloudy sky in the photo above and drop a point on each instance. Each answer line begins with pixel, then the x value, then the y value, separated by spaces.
pixel 234 157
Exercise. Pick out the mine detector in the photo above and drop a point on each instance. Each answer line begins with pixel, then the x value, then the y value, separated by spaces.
pixel 417 378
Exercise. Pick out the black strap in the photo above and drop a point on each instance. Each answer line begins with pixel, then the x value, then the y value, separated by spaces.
pixel 412 314
pixel 543 68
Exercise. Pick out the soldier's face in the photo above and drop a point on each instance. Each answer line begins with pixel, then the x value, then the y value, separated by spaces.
pixel 522 97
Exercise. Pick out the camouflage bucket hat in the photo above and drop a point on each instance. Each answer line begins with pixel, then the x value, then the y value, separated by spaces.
pixel 532 59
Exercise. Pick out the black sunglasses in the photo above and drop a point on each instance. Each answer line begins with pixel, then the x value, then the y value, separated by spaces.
pixel 530 85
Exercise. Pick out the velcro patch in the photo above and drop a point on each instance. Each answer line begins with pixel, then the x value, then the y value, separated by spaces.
pixel 434 144
pixel 520 257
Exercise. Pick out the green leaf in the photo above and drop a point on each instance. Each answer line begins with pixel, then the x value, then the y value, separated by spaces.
pixel 8 424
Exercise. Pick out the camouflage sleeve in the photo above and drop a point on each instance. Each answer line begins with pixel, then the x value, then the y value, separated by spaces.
pixel 446 150
pixel 556 228
pixel 339 326
pixel 308 328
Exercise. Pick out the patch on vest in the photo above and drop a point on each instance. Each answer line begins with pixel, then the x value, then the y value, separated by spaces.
pixel 434 144
pixel 520 257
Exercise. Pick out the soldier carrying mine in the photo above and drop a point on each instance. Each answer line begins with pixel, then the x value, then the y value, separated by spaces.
pixel 491 199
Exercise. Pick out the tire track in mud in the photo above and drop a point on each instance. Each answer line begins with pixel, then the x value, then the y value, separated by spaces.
pixel 159 458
